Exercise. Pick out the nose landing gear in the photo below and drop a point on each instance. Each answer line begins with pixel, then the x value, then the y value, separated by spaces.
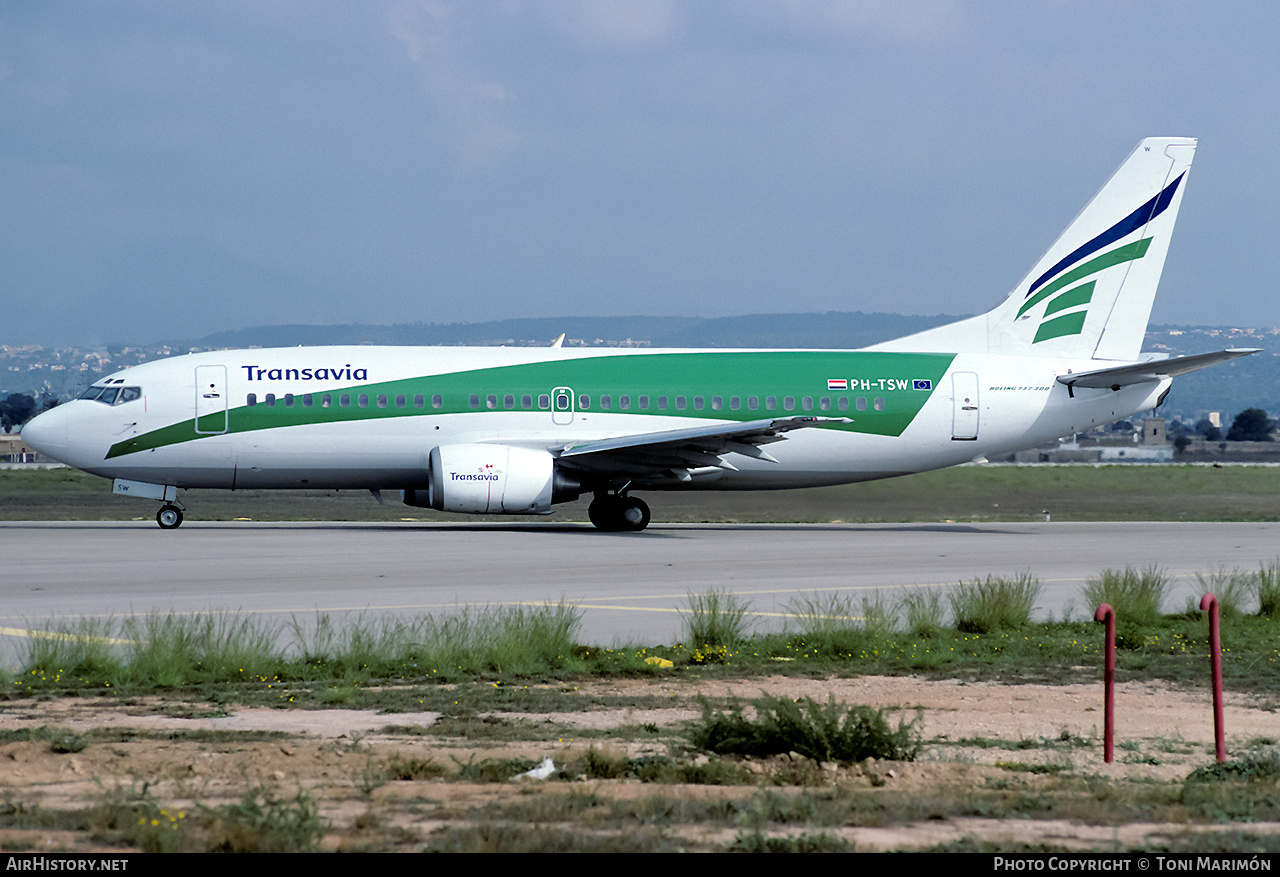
pixel 169 517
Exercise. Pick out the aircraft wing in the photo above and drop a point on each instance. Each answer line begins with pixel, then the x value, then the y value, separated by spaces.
pixel 678 450
pixel 1147 372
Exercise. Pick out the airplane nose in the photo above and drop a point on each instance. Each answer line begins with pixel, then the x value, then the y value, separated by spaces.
pixel 47 433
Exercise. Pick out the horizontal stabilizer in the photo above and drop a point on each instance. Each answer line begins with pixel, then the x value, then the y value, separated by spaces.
pixel 1149 372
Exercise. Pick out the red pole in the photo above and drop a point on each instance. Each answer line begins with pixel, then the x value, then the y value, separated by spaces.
pixel 1209 603
pixel 1108 615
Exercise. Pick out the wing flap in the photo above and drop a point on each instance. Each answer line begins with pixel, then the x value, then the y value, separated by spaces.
pixel 682 449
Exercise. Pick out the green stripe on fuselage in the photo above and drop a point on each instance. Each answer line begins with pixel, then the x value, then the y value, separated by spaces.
pixel 892 377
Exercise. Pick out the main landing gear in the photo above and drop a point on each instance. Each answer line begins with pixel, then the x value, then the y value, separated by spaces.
pixel 616 513
pixel 169 517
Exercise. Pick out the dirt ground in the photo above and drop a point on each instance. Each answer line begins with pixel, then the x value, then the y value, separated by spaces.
pixel 1162 734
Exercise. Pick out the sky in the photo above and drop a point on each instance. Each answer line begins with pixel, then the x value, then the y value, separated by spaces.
pixel 168 170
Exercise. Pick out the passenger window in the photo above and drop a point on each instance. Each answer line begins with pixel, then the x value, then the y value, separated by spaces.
pixel 251 400
pixel 326 400
pixel 824 404
pixel 789 403
pixel 606 402
pixel 584 402
pixel 526 401
pixel 475 401
pixel 345 400
pixel 437 401
pixel 770 403
pixel 716 403
pixel 419 401
pixel 735 402
pixel 269 400
pixel 382 400
pixel 862 403
pixel 843 403
pixel 363 400
pixel 662 403
pixel 679 403
pixel 288 400
pixel 306 400
pixel 879 403
pixel 624 402
pixel 400 400
pixel 544 401
pixel 508 401
pixel 643 402
pixel 753 402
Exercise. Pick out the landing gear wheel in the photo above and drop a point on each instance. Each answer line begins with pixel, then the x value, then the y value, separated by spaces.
pixel 635 514
pixel 615 514
pixel 169 517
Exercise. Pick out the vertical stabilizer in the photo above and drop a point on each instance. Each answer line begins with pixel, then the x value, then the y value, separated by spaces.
pixel 1090 295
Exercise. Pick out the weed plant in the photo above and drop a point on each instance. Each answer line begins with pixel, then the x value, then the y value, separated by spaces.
pixel 996 603
pixel 1268 590
pixel 168 650
pixel 830 732
pixel 826 625
pixel 716 618
pixel 263 822
pixel 923 611
pixel 1135 595
pixel 1232 588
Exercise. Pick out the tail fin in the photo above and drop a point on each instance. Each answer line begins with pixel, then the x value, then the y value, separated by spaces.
pixel 1090 295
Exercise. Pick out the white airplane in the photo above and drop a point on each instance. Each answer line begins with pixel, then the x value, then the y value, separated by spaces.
pixel 515 431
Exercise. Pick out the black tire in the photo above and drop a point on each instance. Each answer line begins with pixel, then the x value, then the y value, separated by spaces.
pixel 605 513
pixel 169 517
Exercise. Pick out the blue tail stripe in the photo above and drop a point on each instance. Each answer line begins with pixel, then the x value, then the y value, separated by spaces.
pixel 1134 221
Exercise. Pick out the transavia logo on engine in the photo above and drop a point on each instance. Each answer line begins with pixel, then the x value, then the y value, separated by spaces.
pixel 486 473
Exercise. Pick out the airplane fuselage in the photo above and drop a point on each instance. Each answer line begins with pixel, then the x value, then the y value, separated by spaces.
pixel 368 417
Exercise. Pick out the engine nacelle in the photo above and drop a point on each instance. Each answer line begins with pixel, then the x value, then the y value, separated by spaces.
pixel 483 479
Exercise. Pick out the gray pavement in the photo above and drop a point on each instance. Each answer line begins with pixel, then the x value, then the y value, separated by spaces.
pixel 630 587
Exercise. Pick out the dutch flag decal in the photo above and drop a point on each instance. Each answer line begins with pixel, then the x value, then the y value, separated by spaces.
pixel 837 384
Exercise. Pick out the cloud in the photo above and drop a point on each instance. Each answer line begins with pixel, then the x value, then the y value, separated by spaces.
pixel 616 24
pixel 468 104
pixel 918 23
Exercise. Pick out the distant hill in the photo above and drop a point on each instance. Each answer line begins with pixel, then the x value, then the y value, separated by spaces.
pixel 831 330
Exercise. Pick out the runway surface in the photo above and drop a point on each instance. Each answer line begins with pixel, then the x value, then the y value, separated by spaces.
pixel 630 587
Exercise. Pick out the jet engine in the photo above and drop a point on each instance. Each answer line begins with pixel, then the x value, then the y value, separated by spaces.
pixel 484 479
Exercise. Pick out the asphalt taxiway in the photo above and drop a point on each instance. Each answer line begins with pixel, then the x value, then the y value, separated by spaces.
pixel 629 587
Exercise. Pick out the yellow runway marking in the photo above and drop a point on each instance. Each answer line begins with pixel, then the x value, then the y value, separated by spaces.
pixel 63 637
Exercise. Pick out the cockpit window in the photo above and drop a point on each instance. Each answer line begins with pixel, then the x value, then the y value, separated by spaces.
pixel 112 395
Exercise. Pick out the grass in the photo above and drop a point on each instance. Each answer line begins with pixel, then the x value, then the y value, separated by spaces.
pixel 1233 589
pixel 716 620
pixel 996 603
pixel 824 732
pixel 506 656
pixel 1136 595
